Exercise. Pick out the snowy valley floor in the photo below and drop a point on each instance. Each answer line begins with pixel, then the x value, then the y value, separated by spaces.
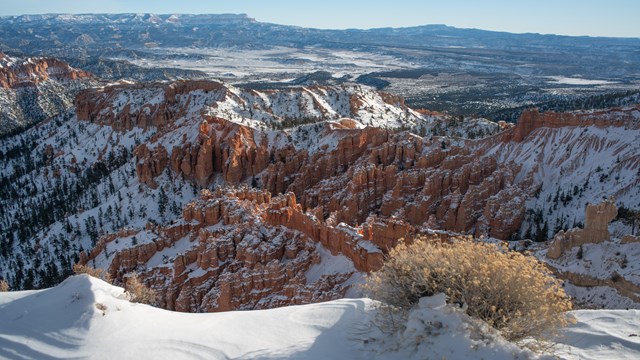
pixel 87 318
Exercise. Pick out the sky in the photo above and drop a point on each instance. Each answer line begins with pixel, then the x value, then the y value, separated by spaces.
pixel 566 17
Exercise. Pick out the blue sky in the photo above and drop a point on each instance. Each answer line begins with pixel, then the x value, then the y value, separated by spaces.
pixel 568 17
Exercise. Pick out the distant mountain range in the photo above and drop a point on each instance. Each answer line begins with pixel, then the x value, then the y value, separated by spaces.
pixel 90 33
pixel 466 72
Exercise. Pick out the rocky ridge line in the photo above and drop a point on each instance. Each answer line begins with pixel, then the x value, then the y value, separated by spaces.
pixel 356 195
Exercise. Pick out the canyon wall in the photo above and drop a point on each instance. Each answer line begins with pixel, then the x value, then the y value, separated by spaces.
pixel 531 120
pixel 350 191
pixel 29 73
pixel 239 249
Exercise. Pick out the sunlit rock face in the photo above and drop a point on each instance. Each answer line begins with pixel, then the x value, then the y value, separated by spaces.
pixel 318 178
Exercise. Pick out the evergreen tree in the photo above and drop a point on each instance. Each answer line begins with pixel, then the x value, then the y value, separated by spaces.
pixel 163 199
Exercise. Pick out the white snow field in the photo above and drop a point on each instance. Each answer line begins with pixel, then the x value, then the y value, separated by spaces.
pixel 84 317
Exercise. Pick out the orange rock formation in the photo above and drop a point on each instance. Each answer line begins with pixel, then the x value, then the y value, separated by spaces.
pixel 34 71
pixel 251 248
pixel 596 229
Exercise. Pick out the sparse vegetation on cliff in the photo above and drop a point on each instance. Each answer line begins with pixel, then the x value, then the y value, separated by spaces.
pixel 512 292
pixel 139 292
pixel 96 273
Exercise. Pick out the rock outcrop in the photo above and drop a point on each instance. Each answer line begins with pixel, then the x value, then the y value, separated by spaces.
pixel 623 286
pixel 336 188
pixel 628 239
pixel 596 229
pixel 124 107
pixel 151 163
pixel 236 152
pixel 340 239
pixel 35 89
pixel 17 73
pixel 531 120
pixel 598 217
pixel 405 177
pixel 242 249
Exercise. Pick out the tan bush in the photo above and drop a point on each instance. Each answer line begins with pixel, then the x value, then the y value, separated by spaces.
pixel 4 286
pixel 512 292
pixel 139 292
pixel 96 273
pixel 102 307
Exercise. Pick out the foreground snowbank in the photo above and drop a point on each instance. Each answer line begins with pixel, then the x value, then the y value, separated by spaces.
pixel 602 334
pixel 85 317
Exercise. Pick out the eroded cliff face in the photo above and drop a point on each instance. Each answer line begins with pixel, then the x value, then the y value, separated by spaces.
pixel 125 107
pixel 413 179
pixel 150 163
pixel 249 250
pixel 35 89
pixel 160 105
pixel 369 171
pixel 327 190
pixel 533 119
pixel 16 73
pixel 233 151
pixel 236 249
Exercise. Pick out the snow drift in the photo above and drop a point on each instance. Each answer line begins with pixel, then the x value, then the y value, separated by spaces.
pixel 87 318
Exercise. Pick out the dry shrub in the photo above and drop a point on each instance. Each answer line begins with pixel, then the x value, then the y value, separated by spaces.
pixel 139 292
pixel 4 286
pixel 96 273
pixel 102 307
pixel 512 292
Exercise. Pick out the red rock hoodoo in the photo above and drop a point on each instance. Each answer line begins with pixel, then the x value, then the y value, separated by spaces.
pixel 354 195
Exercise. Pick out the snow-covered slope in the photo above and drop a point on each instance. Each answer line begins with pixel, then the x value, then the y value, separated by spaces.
pixel 55 203
pixel 87 318
pixel 602 275
pixel 66 182
pixel 33 89
pixel 136 105
pixel 572 160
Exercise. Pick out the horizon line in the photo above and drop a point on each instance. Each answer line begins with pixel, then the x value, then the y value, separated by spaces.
pixel 324 29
